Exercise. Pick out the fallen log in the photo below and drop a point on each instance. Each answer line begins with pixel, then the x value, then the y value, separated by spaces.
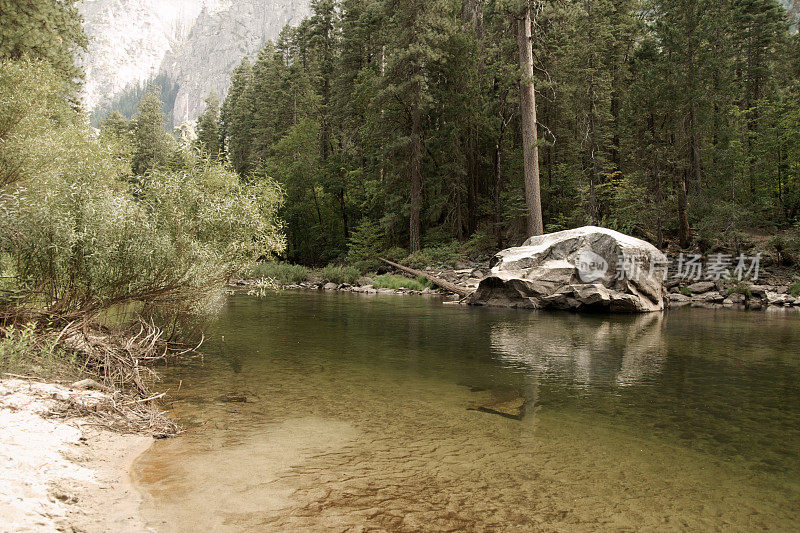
pixel 446 285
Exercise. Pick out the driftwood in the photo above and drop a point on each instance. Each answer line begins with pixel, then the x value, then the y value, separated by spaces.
pixel 446 285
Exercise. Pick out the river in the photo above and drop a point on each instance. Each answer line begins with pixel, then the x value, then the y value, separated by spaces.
pixel 319 411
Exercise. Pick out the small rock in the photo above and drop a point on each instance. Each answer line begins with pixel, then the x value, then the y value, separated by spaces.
pixel 702 287
pixel 677 299
pixel 758 291
pixel 710 297
pixel 88 384
pixel 734 299
pixel 330 286
pixel 775 298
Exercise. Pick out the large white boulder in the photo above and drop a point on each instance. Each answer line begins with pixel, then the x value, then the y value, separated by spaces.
pixel 585 269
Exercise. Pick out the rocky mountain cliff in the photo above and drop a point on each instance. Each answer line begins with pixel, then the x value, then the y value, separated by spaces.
pixel 190 46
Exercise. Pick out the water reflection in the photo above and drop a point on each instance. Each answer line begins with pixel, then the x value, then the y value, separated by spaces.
pixel 584 350
pixel 358 417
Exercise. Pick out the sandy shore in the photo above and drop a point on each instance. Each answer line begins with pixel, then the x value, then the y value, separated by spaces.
pixel 63 475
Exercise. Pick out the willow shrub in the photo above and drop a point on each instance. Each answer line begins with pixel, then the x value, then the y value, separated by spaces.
pixel 79 235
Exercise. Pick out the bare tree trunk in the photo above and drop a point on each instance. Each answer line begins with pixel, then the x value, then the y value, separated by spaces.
pixel 343 207
pixel 446 285
pixel 530 135
pixel 498 183
pixel 693 172
pixel 416 171
pixel 684 230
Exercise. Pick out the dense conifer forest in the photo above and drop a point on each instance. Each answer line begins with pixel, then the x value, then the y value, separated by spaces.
pixel 398 122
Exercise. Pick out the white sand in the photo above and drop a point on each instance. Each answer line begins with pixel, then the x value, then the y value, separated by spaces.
pixel 62 475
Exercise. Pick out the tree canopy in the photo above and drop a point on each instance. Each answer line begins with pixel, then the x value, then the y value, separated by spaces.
pixel 673 120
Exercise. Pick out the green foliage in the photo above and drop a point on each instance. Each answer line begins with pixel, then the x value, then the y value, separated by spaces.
pixel 340 274
pixel 127 102
pixel 17 347
pixel 23 350
pixel 83 236
pixel 794 289
pixel 685 291
pixel 392 281
pixel 787 247
pixel 235 117
pixel 283 273
pixel 445 254
pixel 47 30
pixel 741 288
pixel 665 119
pixel 395 254
pixel 33 118
pixel 153 147
pixel 208 128
pixel 365 246
pixel 480 246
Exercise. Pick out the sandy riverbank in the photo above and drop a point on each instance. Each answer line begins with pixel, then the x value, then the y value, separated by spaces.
pixel 63 474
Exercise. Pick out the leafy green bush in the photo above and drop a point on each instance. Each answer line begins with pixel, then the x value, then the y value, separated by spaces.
pixel 740 288
pixel 283 273
pixel 794 289
pixel 480 246
pixel 365 246
pixel 444 254
pixel 787 248
pixel 392 281
pixel 84 236
pixel 340 274
pixel 395 254
pixel 685 291
pixel 23 350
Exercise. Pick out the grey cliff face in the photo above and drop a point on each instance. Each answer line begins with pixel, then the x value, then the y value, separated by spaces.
pixel 195 44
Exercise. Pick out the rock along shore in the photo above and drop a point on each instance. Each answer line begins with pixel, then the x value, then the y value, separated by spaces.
pixel 769 293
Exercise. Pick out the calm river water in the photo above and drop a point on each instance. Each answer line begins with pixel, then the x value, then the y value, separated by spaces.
pixel 317 412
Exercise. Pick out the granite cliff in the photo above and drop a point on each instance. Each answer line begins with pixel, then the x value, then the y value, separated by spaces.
pixel 189 46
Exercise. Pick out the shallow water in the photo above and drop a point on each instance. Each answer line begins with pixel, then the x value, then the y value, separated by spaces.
pixel 315 412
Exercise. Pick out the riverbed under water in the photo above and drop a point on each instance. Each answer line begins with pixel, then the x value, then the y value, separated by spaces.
pixel 317 412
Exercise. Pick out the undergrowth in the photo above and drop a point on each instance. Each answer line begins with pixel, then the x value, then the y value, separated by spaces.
pixel 393 281
pixel 340 274
pixel 26 351
pixel 794 289
pixel 283 273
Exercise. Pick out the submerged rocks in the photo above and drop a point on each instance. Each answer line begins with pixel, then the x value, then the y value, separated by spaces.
pixel 587 268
